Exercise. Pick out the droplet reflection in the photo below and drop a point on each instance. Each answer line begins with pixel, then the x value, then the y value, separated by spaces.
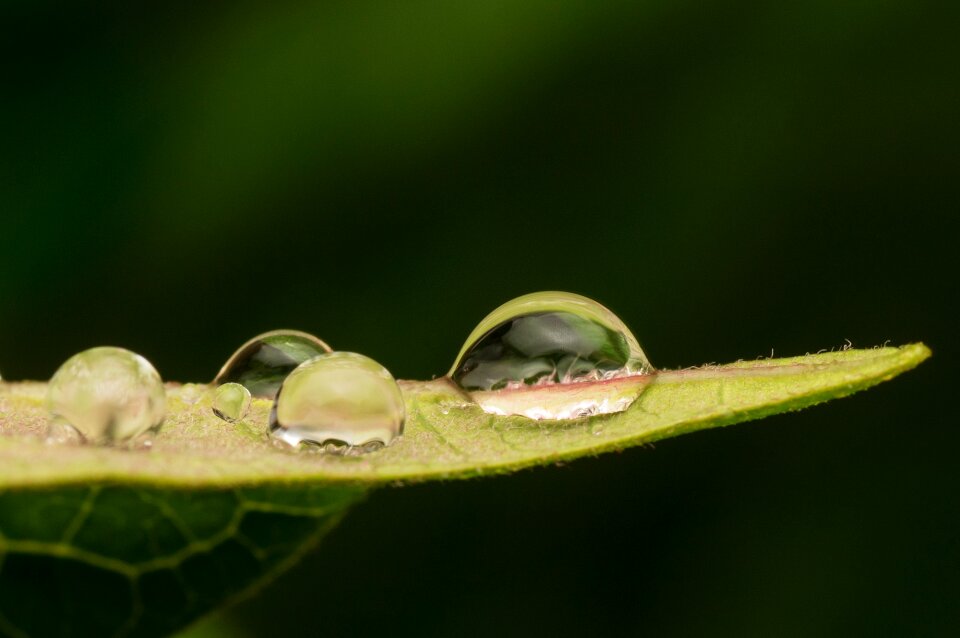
pixel 261 364
pixel 519 355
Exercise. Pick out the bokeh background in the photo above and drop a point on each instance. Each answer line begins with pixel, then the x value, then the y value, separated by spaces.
pixel 732 178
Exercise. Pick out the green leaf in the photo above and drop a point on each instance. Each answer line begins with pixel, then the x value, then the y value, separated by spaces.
pixel 141 542
pixel 446 435
pixel 111 560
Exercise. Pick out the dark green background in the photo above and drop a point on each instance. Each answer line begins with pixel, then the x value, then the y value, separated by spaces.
pixel 731 178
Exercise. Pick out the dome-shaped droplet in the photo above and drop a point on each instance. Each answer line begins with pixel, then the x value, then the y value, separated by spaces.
pixel 341 402
pixel 547 339
pixel 106 395
pixel 262 363
pixel 190 393
pixel 231 401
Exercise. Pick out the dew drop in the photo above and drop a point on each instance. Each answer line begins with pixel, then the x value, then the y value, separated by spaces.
pixel 59 432
pixel 338 403
pixel 231 401
pixel 552 355
pixel 190 393
pixel 262 363
pixel 104 395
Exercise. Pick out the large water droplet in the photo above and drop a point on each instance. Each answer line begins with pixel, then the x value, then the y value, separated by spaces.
pixel 515 359
pixel 262 363
pixel 105 395
pixel 231 401
pixel 341 402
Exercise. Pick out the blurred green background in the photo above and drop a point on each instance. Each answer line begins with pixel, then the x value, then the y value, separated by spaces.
pixel 731 178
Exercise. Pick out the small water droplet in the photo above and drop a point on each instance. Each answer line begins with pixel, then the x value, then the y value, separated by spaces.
pixel 516 358
pixel 231 401
pixel 262 363
pixel 190 393
pixel 338 403
pixel 105 395
pixel 59 432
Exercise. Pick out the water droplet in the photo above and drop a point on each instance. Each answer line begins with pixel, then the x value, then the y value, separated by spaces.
pixel 338 403
pixel 59 432
pixel 262 363
pixel 190 393
pixel 552 355
pixel 231 402
pixel 105 395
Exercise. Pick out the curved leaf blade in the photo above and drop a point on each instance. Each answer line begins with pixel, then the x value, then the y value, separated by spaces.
pixel 446 435
pixel 141 543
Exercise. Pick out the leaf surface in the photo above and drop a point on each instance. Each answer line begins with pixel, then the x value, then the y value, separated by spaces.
pixel 446 435
pixel 140 542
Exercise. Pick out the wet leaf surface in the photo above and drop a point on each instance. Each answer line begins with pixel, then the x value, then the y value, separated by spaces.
pixel 110 541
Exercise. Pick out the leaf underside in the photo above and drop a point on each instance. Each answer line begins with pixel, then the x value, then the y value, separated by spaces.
pixel 115 560
pixel 138 542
